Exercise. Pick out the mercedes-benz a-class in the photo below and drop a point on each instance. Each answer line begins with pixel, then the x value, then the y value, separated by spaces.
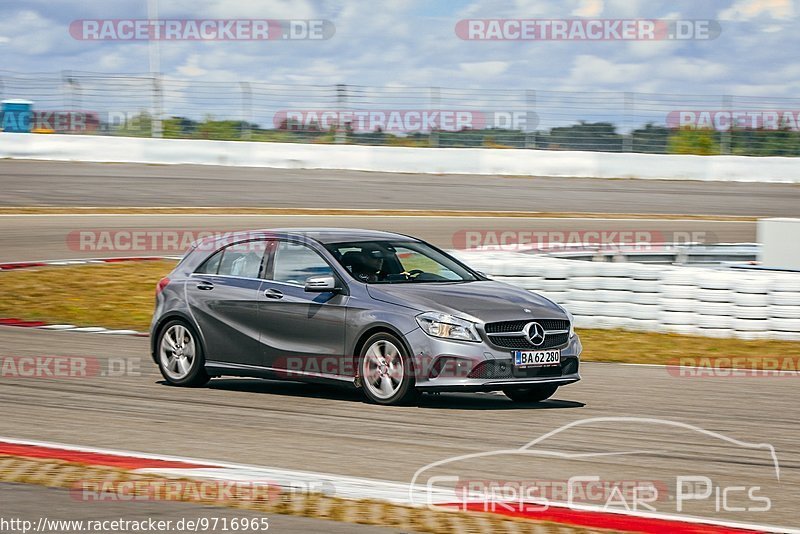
pixel 387 313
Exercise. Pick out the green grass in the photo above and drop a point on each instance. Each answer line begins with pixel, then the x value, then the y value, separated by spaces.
pixel 121 295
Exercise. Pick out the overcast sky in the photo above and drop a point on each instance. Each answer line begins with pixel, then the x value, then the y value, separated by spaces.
pixel 413 43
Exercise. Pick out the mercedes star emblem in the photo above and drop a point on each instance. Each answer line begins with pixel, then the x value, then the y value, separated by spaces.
pixel 535 333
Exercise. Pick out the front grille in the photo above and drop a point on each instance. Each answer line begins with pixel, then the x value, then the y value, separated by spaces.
pixel 502 369
pixel 517 326
pixel 519 342
pixel 522 343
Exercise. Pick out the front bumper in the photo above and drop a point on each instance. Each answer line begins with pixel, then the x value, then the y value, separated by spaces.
pixel 442 365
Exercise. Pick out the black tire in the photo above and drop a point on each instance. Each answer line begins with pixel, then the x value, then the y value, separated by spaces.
pixel 531 393
pixel 404 392
pixel 193 375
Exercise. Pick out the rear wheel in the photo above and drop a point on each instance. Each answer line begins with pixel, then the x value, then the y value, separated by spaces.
pixel 180 357
pixel 387 376
pixel 531 393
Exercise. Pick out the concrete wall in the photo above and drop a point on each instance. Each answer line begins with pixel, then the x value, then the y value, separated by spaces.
pixel 780 242
pixel 399 159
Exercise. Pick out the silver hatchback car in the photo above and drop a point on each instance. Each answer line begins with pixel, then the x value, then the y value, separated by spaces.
pixel 383 312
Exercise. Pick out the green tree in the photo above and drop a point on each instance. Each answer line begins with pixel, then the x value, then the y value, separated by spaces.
pixel 699 141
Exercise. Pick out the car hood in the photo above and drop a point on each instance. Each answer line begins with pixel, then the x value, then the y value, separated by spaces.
pixel 486 301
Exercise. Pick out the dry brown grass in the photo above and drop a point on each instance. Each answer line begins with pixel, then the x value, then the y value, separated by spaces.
pixel 115 295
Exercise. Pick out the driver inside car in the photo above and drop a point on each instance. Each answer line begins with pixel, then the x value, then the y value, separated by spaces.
pixel 367 265
pixel 371 264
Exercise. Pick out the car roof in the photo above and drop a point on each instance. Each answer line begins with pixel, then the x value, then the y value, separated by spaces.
pixel 322 235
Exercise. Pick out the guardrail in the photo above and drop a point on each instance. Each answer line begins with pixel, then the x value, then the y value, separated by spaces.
pixel 651 253
pixel 703 301
pixel 488 161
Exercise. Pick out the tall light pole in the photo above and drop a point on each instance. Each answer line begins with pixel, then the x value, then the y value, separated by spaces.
pixel 155 70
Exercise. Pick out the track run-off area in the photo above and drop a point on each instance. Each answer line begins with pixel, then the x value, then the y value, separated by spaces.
pixel 722 421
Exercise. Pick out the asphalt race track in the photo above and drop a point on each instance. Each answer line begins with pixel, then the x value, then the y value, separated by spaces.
pixel 36 237
pixel 324 430
pixel 31 183
pixel 48 237
pixel 312 428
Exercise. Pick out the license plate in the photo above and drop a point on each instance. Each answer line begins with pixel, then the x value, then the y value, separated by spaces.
pixel 536 358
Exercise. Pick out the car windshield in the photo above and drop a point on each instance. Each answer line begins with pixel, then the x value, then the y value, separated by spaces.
pixel 397 262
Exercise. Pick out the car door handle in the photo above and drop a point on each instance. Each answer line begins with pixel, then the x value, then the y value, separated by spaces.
pixel 205 286
pixel 273 294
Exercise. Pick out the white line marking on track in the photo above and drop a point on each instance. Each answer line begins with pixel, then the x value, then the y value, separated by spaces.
pixel 353 487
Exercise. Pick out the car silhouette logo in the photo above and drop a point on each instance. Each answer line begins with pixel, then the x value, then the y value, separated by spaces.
pixel 535 334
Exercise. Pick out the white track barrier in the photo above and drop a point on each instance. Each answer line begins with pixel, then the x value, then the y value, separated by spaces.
pixel 633 296
pixel 400 159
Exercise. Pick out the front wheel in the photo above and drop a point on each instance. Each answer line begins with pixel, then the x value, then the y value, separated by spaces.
pixel 387 376
pixel 180 357
pixel 531 393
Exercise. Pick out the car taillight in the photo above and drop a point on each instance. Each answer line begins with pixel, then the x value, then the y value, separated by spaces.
pixel 161 285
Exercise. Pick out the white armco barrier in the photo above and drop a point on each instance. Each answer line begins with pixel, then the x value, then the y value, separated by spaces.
pixel 700 301
pixel 400 159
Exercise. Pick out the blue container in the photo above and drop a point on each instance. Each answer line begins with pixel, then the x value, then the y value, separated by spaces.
pixel 17 116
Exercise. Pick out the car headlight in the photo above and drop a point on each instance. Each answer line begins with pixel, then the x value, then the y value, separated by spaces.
pixel 446 326
pixel 571 321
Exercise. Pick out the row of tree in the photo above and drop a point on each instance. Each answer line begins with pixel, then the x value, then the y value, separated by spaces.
pixel 591 136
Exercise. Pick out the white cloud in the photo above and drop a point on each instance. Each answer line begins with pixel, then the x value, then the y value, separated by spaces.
pixel 231 9
pixel 484 68
pixel 652 49
pixel 587 70
pixel 589 8
pixel 633 8
pixel 30 33
pixel 413 44
pixel 692 71
pixel 750 9
pixel 192 68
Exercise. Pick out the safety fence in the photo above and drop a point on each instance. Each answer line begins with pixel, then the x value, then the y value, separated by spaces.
pixel 145 105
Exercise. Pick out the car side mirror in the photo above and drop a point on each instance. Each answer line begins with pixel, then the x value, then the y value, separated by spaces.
pixel 321 284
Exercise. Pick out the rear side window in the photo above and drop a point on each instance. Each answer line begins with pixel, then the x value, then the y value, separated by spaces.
pixel 211 265
pixel 240 259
